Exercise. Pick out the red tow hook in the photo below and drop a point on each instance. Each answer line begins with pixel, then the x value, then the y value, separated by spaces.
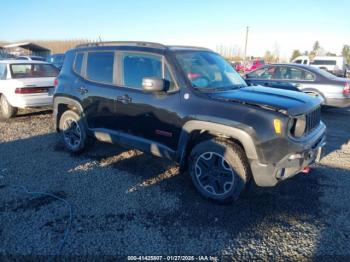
pixel 306 170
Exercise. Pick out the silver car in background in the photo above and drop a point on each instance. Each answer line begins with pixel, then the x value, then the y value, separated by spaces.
pixel 335 91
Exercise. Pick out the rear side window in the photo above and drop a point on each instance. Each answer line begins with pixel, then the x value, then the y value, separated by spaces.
pixel 99 67
pixel 33 70
pixel 324 62
pixel 3 71
pixel 138 66
pixel 78 63
pixel 292 73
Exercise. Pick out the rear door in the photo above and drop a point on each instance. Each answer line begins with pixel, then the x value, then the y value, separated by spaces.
pixel 293 78
pixel 97 88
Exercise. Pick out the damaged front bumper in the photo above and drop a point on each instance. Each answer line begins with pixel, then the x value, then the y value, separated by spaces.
pixel 310 152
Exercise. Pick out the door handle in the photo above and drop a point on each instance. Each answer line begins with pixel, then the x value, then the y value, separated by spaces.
pixel 82 90
pixel 125 99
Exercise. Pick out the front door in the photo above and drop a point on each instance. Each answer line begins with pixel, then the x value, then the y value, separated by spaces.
pixel 150 116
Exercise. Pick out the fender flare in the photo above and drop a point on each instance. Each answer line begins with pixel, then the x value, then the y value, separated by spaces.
pixel 233 132
pixel 66 101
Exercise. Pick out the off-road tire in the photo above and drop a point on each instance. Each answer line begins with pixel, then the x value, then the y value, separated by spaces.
pixel 75 119
pixel 235 158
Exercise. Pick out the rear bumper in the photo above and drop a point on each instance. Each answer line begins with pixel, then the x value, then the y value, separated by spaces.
pixel 32 100
pixel 338 102
pixel 293 163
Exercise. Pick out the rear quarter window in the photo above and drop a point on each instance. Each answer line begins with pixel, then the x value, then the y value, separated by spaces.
pixel 324 62
pixel 78 63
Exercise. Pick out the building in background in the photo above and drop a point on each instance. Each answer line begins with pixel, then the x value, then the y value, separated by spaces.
pixel 26 48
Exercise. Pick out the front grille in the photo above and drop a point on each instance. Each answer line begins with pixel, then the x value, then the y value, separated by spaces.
pixel 313 120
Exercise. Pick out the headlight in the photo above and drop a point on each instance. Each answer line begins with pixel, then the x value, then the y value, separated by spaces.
pixel 298 126
pixel 278 126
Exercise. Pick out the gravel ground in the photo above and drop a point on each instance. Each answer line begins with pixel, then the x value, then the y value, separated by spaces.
pixel 125 202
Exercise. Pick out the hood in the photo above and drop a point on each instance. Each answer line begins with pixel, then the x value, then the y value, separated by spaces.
pixel 293 103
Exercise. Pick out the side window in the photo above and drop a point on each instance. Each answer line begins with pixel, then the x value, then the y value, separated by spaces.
pixel 3 71
pixel 99 67
pixel 292 73
pixel 138 66
pixel 263 73
pixel 78 63
pixel 308 76
pixel 282 73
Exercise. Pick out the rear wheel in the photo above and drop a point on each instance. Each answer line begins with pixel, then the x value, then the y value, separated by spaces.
pixel 7 111
pixel 73 132
pixel 219 170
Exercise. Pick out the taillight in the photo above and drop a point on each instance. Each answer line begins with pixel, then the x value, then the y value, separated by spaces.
pixel 346 90
pixel 35 90
pixel 55 82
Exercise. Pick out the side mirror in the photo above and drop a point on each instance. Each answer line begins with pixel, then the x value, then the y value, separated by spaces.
pixel 154 84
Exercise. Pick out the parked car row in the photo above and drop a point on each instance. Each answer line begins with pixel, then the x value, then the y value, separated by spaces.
pixel 55 59
pixel 245 67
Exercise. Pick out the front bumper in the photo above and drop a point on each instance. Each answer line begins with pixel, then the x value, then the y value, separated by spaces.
pixel 293 163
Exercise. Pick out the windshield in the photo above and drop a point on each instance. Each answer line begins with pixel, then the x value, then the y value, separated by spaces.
pixel 33 70
pixel 209 71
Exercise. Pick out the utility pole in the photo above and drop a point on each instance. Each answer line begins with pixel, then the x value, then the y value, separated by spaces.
pixel 246 43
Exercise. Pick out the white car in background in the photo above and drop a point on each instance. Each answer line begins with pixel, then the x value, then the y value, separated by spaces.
pixel 31 57
pixel 333 64
pixel 24 84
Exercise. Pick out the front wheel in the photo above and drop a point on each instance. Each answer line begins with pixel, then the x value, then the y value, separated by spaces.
pixel 73 132
pixel 219 170
pixel 7 111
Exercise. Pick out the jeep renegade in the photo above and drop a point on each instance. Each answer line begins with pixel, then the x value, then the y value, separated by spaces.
pixel 189 105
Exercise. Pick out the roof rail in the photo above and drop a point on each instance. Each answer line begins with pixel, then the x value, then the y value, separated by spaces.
pixel 121 43
pixel 190 47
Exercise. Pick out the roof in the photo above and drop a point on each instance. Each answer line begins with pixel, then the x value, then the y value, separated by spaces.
pixel 292 64
pixel 306 67
pixel 27 45
pixel 14 61
pixel 140 44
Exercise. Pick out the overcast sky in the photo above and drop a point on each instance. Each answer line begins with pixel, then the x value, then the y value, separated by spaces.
pixel 285 25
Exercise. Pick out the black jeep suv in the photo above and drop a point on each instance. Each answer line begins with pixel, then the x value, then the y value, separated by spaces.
pixel 187 104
